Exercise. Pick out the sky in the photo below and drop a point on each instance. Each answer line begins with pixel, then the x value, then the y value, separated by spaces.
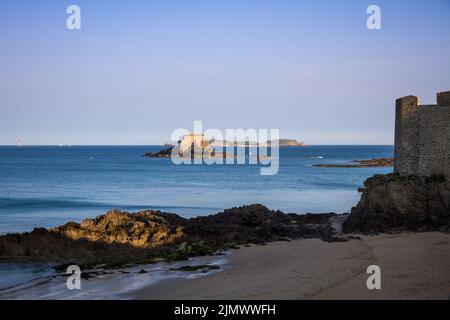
pixel 138 70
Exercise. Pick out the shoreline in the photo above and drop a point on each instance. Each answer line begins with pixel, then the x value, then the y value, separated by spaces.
pixel 293 270
pixel 313 269
pixel 111 284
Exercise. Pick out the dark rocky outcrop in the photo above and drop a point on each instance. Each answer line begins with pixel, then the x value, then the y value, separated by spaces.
pixel 393 202
pixel 382 162
pixel 256 223
pixel 119 238
pixel 164 153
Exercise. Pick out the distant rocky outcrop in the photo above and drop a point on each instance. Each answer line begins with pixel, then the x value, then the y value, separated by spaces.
pixel 280 142
pixel 287 143
pixel 199 146
pixel 164 153
pixel 393 202
pixel 381 162
pixel 118 238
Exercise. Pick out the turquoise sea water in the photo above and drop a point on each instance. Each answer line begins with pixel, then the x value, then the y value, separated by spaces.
pixel 48 186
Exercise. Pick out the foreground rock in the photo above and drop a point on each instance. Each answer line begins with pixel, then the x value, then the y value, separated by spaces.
pixel 118 238
pixel 392 202
pixel 382 162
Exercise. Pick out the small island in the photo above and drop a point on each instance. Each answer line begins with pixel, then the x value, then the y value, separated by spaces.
pixel 290 143
pixel 206 147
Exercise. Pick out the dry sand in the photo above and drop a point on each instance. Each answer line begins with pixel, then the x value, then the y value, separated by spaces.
pixel 413 266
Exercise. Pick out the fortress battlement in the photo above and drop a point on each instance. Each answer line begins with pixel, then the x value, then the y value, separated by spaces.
pixel 422 136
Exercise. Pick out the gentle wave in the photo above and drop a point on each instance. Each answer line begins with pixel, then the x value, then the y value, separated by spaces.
pixel 46 203
pixel 39 203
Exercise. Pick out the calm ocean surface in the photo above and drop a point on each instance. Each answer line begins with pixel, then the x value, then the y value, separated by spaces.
pixel 49 186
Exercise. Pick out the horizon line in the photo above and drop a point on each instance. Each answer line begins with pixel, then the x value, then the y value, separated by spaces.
pixel 162 145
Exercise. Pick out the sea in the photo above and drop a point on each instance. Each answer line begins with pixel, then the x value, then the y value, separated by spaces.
pixel 47 186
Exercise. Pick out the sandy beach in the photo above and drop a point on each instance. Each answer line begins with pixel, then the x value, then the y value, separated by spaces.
pixel 413 266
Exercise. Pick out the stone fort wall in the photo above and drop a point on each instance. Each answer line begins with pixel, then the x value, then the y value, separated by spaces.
pixel 422 136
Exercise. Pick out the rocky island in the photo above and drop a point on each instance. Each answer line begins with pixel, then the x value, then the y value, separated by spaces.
pixel 382 162
pixel 283 143
pixel 206 146
pixel 164 153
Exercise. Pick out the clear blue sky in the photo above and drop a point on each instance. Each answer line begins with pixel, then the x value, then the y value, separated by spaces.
pixel 139 69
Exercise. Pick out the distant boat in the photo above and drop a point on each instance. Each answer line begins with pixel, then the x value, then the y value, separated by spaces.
pixel 19 143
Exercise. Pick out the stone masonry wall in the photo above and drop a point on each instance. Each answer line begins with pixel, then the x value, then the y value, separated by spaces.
pixel 422 136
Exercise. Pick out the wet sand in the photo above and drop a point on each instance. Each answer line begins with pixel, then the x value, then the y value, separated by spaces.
pixel 413 266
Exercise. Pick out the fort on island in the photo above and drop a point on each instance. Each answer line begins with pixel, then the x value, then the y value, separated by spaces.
pixel 191 142
pixel 422 136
